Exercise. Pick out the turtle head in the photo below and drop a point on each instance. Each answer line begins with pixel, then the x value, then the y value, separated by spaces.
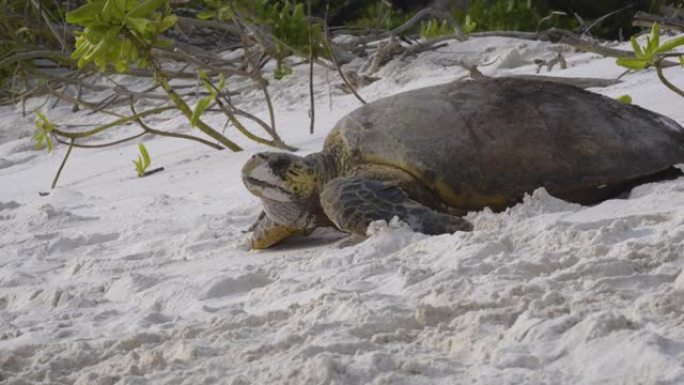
pixel 280 177
pixel 287 187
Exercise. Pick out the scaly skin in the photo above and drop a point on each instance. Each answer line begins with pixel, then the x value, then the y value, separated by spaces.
pixel 268 233
pixel 352 203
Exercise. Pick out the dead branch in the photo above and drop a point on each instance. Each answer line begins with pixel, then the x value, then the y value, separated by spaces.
pixel 431 44
pixel 312 110
pixel 333 56
pixel 385 52
pixel 149 130
pixel 643 19
pixel 665 81
pixel 355 81
pixel 189 22
pixel 417 17
pixel 99 145
pixel 230 111
pixel 61 166
pixel 559 59
pixel 118 122
pixel 77 101
pixel 56 56
pixel 560 36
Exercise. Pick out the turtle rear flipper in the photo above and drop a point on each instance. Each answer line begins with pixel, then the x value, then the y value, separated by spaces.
pixel 352 203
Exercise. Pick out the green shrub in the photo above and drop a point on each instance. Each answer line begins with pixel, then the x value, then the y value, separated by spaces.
pixel 118 32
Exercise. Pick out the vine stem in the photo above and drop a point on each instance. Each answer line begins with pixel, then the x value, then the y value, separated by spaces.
pixel 256 72
pixel 312 111
pixel 663 79
pixel 61 166
pixel 185 109
pixel 118 122
pixel 149 130
pixel 326 40
pixel 276 142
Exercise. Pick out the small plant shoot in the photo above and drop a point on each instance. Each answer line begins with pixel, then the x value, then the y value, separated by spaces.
pixel 468 25
pixel 647 55
pixel 652 55
pixel 143 161
pixel 434 28
pixel 42 135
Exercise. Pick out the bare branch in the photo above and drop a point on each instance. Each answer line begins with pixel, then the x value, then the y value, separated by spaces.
pixel 326 40
pixel 149 130
pixel 643 19
pixel 667 83
pixel 312 110
pixel 231 28
pixel 561 36
pixel 61 166
pixel 417 17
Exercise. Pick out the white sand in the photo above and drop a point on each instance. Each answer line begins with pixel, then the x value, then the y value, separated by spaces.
pixel 112 279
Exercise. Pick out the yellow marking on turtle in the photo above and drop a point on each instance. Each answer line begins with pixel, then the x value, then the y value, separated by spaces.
pixel 264 238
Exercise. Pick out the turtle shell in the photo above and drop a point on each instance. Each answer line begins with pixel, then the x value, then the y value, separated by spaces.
pixel 486 142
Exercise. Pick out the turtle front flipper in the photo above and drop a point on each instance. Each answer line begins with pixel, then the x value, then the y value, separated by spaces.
pixel 268 233
pixel 352 203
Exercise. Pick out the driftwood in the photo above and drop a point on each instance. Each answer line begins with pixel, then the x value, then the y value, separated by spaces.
pixel 643 19
pixel 560 36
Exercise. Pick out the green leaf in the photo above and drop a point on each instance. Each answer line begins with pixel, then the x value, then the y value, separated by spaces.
pixel 222 81
pixel 206 15
pixel 681 60
pixel 633 63
pixel 648 50
pixel 636 47
pixel 42 136
pixel 122 6
pixel 111 11
pixel 85 13
pixel 43 122
pixel 202 106
pixel 468 25
pixel 145 8
pixel 139 24
pixel 166 23
pixel 655 37
pixel 145 155
pixel 670 45
pixel 139 167
pixel 143 161
pixel 626 99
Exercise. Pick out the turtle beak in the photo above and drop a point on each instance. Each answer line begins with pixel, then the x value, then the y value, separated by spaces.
pixel 264 176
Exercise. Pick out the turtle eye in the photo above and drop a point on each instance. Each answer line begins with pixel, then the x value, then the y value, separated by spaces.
pixel 279 165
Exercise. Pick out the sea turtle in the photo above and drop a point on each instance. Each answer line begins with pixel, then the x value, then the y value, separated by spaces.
pixel 431 155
